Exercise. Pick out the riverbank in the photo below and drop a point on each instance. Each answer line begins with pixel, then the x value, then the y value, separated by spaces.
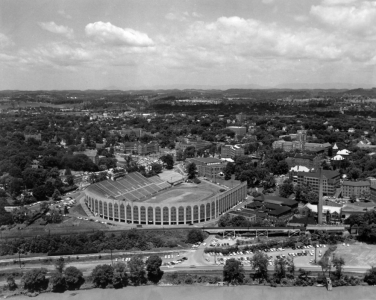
pixel 212 292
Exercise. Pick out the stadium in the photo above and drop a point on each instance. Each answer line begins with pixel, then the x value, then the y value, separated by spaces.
pixel 135 199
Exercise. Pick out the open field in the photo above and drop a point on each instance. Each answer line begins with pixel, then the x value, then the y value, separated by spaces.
pixel 211 292
pixel 358 254
pixel 170 176
pixel 181 195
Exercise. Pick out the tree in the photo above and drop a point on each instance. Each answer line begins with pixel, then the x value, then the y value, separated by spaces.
pixel 281 168
pixel 268 182
pixel 102 275
pixel 338 263
pixel 354 174
pixel 280 267
pixel 60 265
pixel 168 161
pixel 73 278
pixel 56 195
pixel 324 264
pixel 260 265
pixel 39 192
pixel 35 280
pixel 137 271
pixel 153 265
pixel 156 168
pixel 120 277
pixel 233 271
pixel 370 276
pixel 194 236
pixel 312 197
pixel 57 282
pixel 11 283
pixel 191 170
pixel 70 179
pixel 353 198
pixel 286 189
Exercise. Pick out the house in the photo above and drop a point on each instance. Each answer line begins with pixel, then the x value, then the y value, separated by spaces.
pixel 356 209
pixel 37 136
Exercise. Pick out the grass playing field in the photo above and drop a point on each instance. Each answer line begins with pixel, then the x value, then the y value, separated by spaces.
pixel 178 195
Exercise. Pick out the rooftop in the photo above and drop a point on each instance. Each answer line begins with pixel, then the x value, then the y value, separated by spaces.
pixel 356 183
pixel 327 173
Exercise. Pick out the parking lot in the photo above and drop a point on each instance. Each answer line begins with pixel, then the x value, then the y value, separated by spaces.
pixel 303 256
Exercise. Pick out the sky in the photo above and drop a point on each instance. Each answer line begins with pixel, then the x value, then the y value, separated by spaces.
pixel 134 44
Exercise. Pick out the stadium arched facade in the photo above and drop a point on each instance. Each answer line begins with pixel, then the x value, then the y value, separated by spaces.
pixel 122 201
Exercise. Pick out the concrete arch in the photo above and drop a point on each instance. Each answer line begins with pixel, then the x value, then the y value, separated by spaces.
pixel 196 216
pixel 143 215
pixel 122 212
pixel 129 214
pixel 136 217
pixel 207 212
pixel 151 215
pixel 181 215
pixel 158 216
pixel 166 216
pixel 188 215
pixel 110 211
pixel 116 212
pixel 173 216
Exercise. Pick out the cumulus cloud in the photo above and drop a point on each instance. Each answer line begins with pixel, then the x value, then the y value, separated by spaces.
pixel 359 17
pixel 58 29
pixel 107 33
pixel 337 2
pixel 267 1
pixel 5 41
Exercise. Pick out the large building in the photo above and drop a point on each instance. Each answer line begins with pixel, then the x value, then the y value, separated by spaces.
pixel 135 199
pixel 141 148
pixel 331 181
pixel 306 160
pixel 36 136
pixel 230 151
pixel 197 143
pixel 239 130
pixel 207 166
pixel 357 188
pixel 301 144
pixel 92 154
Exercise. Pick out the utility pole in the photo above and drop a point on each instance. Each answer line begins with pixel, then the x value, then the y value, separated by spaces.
pixel 19 257
pixel 112 263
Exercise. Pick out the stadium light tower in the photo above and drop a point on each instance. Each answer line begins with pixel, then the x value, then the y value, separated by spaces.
pixel 319 205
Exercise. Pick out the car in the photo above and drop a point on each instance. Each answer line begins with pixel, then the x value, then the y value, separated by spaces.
pixel 192 266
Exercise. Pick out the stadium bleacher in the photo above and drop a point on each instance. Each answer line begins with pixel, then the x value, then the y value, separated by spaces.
pixel 132 187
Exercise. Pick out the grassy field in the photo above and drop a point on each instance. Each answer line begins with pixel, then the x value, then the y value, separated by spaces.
pixel 179 195
pixel 357 254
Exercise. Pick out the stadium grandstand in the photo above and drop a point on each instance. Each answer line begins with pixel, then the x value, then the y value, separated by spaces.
pixel 135 199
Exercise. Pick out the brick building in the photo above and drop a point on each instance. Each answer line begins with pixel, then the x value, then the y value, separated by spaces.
pixel 331 181
pixel 357 188
pixel 230 151
pixel 207 166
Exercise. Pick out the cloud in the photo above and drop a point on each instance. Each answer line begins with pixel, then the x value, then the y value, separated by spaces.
pixel 267 1
pixel 337 2
pixel 58 29
pixel 301 18
pixel 107 33
pixel 64 14
pixel 5 41
pixel 177 16
pixel 359 17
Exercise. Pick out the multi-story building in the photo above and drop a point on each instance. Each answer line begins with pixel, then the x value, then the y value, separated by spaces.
pixel 309 161
pixel 207 166
pixel 230 151
pixel 239 130
pixel 331 181
pixel 92 154
pixel 141 148
pixel 197 143
pixel 301 144
pixel 357 188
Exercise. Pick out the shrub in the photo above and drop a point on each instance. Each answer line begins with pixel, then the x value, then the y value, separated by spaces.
pixel 120 277
pixel 102 275
pixel 188 280
pixel 35 280
pixel 11 283
pixel 57 282
pixel 73 278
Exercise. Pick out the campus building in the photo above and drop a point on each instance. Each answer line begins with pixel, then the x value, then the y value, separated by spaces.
pixel 131 199
pixel 331 181
pixel 207 166
pixel 357 188
pixel 141 148
pixel 306 160
pixel 239 130
pixel 230 151
pixel 92 154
